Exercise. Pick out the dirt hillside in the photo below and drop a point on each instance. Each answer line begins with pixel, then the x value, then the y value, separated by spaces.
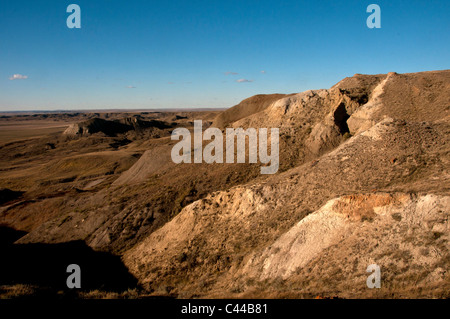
pixel 252 105
pixel 383 193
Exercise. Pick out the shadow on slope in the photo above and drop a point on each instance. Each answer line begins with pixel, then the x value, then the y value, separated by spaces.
pixel 45 265
pixel 7 195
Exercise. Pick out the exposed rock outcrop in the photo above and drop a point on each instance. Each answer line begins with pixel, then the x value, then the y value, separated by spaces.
pixel 112 128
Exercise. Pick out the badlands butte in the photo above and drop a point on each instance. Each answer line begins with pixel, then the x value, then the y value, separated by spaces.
pixel 363 179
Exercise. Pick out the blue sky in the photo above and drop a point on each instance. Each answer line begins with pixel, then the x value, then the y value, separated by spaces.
pixel 180 54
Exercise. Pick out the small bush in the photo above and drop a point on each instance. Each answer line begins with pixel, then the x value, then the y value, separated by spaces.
pixel 346 136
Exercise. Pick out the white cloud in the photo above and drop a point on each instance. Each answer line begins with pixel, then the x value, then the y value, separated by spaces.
pixel 130 87
pixel 263 72
pixel 18 77
pixel 243 81
pixel 231 73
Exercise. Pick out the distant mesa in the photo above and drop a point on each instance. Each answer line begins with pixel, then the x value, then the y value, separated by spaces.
pixel 112 128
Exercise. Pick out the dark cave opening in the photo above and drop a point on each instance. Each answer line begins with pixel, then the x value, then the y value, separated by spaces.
pixel 340 119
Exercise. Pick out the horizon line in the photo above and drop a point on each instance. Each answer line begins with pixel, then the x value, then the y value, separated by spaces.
pixel 194 109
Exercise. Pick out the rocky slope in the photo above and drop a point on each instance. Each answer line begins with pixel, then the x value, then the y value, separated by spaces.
pixel 383 193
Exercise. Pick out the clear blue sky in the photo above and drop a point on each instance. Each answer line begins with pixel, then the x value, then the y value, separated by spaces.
pixel 170 54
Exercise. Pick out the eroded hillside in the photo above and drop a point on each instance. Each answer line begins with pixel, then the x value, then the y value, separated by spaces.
pixel 388 190
pixel 363 179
